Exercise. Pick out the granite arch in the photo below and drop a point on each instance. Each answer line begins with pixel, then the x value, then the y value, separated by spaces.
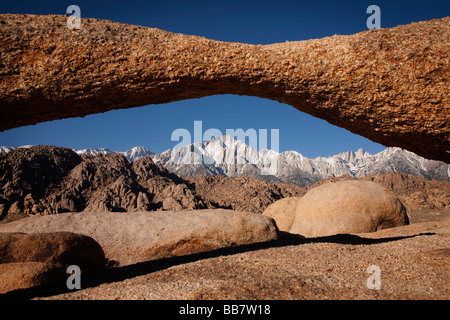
pixel 389 85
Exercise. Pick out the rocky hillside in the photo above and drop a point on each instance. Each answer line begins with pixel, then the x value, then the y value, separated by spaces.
pixel 242 193
pixel 47 180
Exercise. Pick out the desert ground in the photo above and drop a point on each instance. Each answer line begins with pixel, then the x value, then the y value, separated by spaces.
pixel 413 260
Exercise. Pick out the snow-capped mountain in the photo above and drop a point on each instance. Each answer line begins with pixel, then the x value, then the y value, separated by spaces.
pixel 7 149
pixel 296 169
pixel 132 154
pixel 221 155
pixel 95 151
pixel 136 153
pixel 226 156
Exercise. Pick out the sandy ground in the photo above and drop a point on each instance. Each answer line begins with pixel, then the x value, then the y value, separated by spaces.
pixel 413 263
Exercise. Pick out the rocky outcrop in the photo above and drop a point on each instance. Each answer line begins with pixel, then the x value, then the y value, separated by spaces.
pixel 28 174
pixel 241 193
pixel 132 237
pixel 389 85
pixel 45 180
pixel 347 207
pixel 165 190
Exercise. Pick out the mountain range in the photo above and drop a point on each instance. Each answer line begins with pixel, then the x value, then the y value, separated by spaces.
pixel 227 156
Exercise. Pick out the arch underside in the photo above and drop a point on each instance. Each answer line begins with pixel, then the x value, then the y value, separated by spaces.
pixel 388 85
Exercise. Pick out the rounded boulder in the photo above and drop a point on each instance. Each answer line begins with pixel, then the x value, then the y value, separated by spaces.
pixel 347 207
pixel 283 212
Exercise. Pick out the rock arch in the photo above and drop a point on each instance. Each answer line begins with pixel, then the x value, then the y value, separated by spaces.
pixel 389 85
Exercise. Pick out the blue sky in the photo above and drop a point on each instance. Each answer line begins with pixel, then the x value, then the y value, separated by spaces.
pixel 257 22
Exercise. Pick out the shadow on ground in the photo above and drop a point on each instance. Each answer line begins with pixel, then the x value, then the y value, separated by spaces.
pixel 117 274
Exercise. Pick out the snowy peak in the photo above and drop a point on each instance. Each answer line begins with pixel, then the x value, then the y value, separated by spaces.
pixel 7 149
pixel 136 153
pixel 95 151
pixel 228 156
pixel 360 153
pixel 350 156
pixel 217 151
pixel 132 154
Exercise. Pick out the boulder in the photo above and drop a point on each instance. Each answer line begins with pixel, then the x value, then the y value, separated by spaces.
pixel 28 260
pixel 347 207
pixel 62 248
pixel 22 275
pixel 132 237
pixel 283 212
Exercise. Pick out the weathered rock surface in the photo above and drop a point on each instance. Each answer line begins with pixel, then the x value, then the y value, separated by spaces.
pixel 347 207
pixel 283 212
pixel 416 193
pixel 22 275
pixel 241 193
pixel 132 237
pixel 27 175
pixel 389 85
pixel 64 248
pixel 27 260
